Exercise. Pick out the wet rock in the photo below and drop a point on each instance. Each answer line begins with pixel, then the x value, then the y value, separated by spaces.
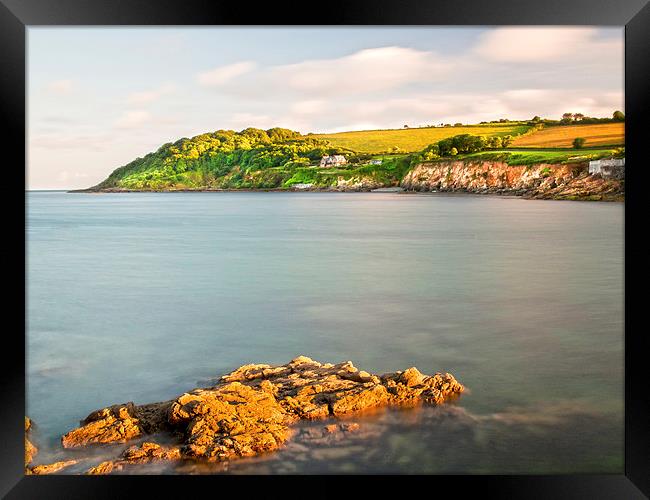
pixel 117 424
pixel 230 420
pixel 52 468
pixel 149 452
pixel 251 410
pixel 103 468
pixel 144 453
pixel 30 449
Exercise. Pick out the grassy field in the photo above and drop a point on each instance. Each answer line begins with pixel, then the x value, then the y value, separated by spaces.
pixel 601 134
pixel 413 139
pixel 530 157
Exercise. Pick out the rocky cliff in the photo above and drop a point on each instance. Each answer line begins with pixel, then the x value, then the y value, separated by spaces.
pixel 544 181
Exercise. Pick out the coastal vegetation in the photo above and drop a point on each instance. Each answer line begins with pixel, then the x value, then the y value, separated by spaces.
pixel 516 157
pixel 280 158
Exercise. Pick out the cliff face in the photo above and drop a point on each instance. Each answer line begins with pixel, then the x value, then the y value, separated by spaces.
pixel 543 180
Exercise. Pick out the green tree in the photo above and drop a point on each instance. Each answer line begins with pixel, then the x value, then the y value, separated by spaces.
pixel 578 142
pixel 567 118
pixel 618 116
pixel 453 151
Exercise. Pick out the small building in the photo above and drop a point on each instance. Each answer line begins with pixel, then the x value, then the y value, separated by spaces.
pixel 608 167
pixel 375 162
pixel 301 186
pixel 332 161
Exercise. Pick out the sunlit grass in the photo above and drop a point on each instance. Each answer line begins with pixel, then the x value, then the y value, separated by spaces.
pixel 413 139
pixel 609 134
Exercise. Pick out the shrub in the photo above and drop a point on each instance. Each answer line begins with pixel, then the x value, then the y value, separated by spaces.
pixel 578 142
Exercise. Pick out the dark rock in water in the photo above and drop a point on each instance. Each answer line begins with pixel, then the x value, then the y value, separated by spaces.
pixel 250 411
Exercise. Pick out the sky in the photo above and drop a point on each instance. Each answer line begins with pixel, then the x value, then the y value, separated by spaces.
pixel 99 97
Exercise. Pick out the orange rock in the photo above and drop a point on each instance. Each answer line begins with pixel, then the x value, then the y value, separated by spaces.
pixel 30 449
pixel 250 411
pixel 51 468
pixel 103 468
pixel 115 424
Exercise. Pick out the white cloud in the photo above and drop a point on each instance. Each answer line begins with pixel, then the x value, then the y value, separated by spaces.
pixel 133 119
pixel 365 71
pixel 60 86
pixel 224 74
pixel 545 44
pixel 148 96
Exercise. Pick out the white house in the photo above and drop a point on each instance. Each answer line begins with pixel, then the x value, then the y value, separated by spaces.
pixel 375 162
pixel 607 167
pixel 332 161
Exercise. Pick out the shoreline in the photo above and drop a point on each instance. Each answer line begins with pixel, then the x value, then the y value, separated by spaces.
pixel 496 193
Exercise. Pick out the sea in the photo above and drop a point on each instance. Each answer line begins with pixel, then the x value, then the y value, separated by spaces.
pixel 143 296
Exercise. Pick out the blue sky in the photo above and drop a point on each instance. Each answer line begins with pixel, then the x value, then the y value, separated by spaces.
pixel 99 97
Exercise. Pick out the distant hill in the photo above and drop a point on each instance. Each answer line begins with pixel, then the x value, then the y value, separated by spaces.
pixel 279 158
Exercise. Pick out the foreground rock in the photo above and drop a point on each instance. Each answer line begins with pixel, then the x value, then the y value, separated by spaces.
pixel 30 449
pixel 52 468
pixel 145 453
pixel 250 411
pixel 118 424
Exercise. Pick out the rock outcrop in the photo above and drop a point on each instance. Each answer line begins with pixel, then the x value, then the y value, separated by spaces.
pixel 250 411
pixel 30 449
pixel 544 181
pixel 117 424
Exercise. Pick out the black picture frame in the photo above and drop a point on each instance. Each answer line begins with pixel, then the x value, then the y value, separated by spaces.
pixel 16 15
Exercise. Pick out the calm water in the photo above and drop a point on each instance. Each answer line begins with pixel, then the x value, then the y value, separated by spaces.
pixel 140 297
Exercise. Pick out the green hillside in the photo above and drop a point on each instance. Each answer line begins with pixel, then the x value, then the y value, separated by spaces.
pixel 250 159
pixel 280 158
